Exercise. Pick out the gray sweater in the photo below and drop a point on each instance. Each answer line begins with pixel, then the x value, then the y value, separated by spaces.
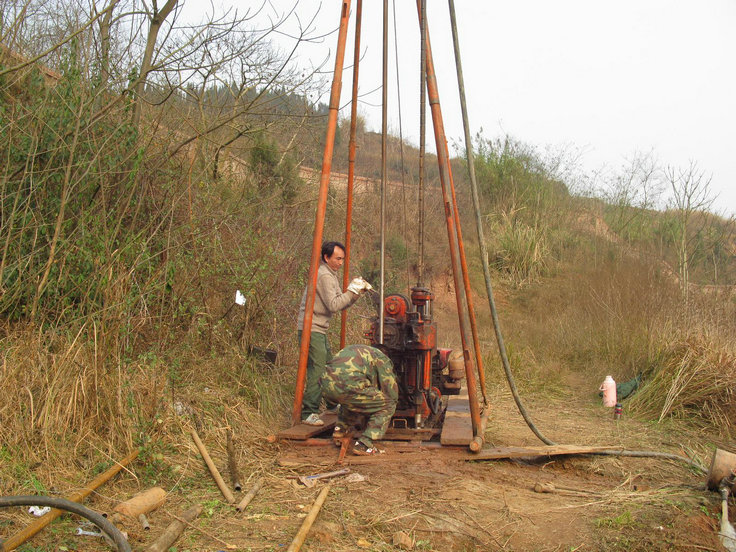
pixel 329 299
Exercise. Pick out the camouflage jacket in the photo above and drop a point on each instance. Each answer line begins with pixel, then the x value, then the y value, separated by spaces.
pixel 357 367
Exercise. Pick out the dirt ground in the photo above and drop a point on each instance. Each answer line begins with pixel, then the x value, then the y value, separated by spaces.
pixel 440 501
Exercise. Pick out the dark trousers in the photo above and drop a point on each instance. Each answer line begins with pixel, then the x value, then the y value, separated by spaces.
pixel 319 355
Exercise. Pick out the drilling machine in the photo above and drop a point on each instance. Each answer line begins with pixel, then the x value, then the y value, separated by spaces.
pixel 410 341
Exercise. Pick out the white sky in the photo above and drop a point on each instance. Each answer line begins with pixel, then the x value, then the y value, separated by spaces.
pixel 609 78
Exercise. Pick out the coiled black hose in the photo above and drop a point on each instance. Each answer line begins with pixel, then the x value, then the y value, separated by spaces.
pixel 63 504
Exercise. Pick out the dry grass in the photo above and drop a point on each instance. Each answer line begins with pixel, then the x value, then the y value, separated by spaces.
pixel 696 378
pixel 57 397
pixel 63 412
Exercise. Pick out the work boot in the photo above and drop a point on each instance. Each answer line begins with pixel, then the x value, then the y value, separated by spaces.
pixel 360 449
pixel 313 420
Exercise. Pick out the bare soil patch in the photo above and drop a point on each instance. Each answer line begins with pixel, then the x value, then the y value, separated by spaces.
pixel 440 501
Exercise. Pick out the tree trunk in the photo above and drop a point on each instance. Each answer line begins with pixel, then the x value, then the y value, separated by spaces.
pixel 156 21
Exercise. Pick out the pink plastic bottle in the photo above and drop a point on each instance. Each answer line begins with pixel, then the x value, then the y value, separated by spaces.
pixel 609 391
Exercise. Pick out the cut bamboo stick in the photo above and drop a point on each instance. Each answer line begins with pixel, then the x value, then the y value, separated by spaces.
pixel 247 498
pixel 232 464
pixel 142 503
pixel 227 493
pixel 174 530
pixel 296 544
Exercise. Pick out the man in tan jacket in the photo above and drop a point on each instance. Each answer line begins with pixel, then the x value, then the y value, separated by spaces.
pixel 328 300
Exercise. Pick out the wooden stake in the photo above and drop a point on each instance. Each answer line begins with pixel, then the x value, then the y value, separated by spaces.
pixel 213 469
pixel 144 522
pixel 174 530
pixel 231 463
pixel 247 498
pixel 296 544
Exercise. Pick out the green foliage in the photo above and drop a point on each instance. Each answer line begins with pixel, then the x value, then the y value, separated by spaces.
pixel 512 174
pixel 526 202
pixel 67 177
pixel 154 469
pixel 624 519
pixel 272 171
pixel 213 506
pixel 396 257
pixel 522 250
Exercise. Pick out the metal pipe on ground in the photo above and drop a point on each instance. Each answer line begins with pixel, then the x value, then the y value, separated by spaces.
pixel 143 520
pixel 231 462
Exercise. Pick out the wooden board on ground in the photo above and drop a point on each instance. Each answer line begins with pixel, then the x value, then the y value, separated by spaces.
pixel 424 434
pixel 408 454
pixel 500 453
pixel 458 427
pixel 301 432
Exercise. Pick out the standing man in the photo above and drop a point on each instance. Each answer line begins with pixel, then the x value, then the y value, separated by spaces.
pixel 361 380
pixel 328 300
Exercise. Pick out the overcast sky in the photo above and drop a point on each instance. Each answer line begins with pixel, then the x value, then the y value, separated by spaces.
pixel 606 78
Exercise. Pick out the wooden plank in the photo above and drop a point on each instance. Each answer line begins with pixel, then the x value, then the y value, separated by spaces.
pixel 409 434
pixel 404 453
pixel 458 427
pixel 301 432
pixel 500 453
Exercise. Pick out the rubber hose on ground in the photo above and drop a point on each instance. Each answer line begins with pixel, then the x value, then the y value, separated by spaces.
pixel 63 504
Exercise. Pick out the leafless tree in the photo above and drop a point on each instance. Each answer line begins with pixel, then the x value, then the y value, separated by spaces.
pixel 637 188
pixel 130 81
pixel 691 193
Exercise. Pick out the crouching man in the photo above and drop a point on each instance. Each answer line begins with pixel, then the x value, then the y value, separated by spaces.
pixel 361 379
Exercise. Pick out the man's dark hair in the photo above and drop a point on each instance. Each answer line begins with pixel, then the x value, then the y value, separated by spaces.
pixel 328 248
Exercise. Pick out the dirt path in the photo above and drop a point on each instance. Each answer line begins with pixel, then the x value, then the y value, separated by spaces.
pixel 596 503
pixel 445 503
pixel 441 502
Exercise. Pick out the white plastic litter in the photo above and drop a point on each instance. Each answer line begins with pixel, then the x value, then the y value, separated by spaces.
pixel 39 511
pixel 355 478
pixel 239 298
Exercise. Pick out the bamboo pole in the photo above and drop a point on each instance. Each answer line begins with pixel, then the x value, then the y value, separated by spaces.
pixel 22 536
pixel 174 530
pixel 243 504
pixel 296 544
pixel 227 493
pixel 232 463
